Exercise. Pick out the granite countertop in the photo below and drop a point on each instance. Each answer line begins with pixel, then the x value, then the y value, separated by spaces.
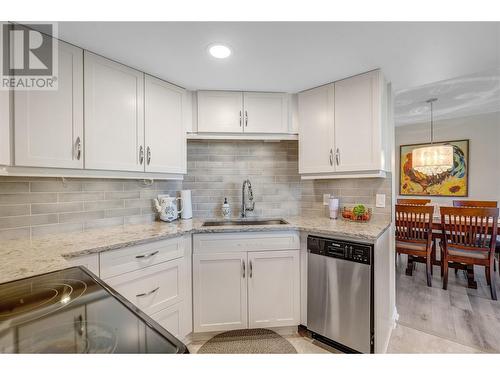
pixel 23 258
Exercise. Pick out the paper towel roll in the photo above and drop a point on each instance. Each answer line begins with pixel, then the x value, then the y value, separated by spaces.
pixel 187 206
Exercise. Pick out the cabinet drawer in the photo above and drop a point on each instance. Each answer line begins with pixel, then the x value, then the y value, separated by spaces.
pixel 250 241
pixel 133 258
pixel 153 288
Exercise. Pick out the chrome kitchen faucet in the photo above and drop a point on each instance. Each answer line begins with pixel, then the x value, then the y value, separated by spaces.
pixel 244 207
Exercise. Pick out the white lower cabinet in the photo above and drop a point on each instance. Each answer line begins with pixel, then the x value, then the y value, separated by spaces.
pixel 155 277
pixel 247 288
pixel 152 288
pixel 273 289
pixel 220 291
pixel 171 319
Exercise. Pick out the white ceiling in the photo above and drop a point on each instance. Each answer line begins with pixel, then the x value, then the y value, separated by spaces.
pixel 458 97
pixel 292 56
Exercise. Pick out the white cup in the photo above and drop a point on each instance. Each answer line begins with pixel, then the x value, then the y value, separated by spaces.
pixel 333 206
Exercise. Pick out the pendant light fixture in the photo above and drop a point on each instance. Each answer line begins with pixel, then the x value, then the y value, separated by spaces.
pixel 432 160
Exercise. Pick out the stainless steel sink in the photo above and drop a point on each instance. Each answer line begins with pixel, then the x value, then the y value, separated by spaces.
pixel 220 223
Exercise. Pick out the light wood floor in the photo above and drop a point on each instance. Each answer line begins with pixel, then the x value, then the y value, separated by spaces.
pixel 458 320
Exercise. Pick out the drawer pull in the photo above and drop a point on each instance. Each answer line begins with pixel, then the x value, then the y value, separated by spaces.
pixel 145 256
pixel 148 293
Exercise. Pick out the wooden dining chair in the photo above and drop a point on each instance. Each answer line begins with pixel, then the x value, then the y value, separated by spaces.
pixel 469 237
pixel 460 203
pixel 463 203
pixel 414 202
pixel 414 233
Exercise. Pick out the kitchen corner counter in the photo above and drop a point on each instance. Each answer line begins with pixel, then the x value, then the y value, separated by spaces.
pixel 23 258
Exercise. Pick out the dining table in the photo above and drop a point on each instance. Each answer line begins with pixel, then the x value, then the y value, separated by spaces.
pixel 437 232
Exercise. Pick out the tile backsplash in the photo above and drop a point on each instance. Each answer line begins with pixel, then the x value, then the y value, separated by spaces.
pixel 31 207
pixel 216 169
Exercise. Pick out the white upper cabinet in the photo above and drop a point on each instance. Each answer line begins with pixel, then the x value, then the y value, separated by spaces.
pixel 265 112
pixel 165 135
pixel 242 112
pixel 316 130
pixel 220 111
pixel 342 127
pixel 114 115
pixel 49 124
pixel 357 123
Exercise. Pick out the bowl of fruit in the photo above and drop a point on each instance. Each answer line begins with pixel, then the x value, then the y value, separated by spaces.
pixel 358 213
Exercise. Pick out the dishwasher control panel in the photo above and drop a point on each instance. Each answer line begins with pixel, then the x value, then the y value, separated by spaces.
pixel 347 250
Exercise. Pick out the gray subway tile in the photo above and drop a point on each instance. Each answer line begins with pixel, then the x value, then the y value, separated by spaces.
pixel 24 221
pixel 55 186
pixel 103 223
pixel 102 205
pixel 47 208
pixel 97 185
pixel 122 212
pixel 122 195
pixel 80 217
pixel 14 210
pixel 28 198
pixel 84 196
pixel 14 187
pixel 43 230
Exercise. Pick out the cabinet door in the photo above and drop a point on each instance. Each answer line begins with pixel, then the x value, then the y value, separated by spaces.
pixel 265 112
pixel 114 115
pixel 164 127
pixel 220 291
pixel 220 111
pixel 273 288
pixel 171 319
pixel 357 123
pixel 49 124
pixel 316 122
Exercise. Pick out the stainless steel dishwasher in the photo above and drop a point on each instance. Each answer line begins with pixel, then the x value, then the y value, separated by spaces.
pixel 340 293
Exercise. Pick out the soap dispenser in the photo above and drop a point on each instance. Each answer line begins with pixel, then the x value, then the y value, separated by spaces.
pixel 226 210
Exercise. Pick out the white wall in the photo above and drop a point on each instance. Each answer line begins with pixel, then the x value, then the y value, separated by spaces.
pixel 483 132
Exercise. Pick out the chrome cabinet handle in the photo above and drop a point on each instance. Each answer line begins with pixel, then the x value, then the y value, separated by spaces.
pixel 243 267
pixel 78 148
pixel 148 155
pixel 147 293
pixel 141 155
pixel 337 156
pixel 145 256
pixel 246 118
pixel 331 157
pixel 251 269
pixel 240 119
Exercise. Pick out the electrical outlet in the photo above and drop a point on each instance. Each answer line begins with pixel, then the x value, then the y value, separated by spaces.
pixel 326 199
pixel 380 200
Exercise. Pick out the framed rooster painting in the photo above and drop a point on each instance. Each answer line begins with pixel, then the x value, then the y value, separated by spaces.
pixel 450 183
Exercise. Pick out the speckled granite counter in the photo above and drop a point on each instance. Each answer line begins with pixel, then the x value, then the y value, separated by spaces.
pixel 27 258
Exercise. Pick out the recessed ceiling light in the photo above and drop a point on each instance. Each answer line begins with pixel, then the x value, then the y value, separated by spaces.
pixel 219 51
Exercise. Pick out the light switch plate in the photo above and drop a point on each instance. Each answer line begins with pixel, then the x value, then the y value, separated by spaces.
pixel 380 200
pixel 326 199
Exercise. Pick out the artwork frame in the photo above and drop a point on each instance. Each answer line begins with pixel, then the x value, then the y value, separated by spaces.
pixel 438 189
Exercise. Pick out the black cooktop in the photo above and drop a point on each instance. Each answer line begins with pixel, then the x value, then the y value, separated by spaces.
pixel 73 311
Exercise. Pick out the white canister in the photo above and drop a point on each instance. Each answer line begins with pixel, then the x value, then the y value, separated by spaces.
pixel 333 206
pixel 187 206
